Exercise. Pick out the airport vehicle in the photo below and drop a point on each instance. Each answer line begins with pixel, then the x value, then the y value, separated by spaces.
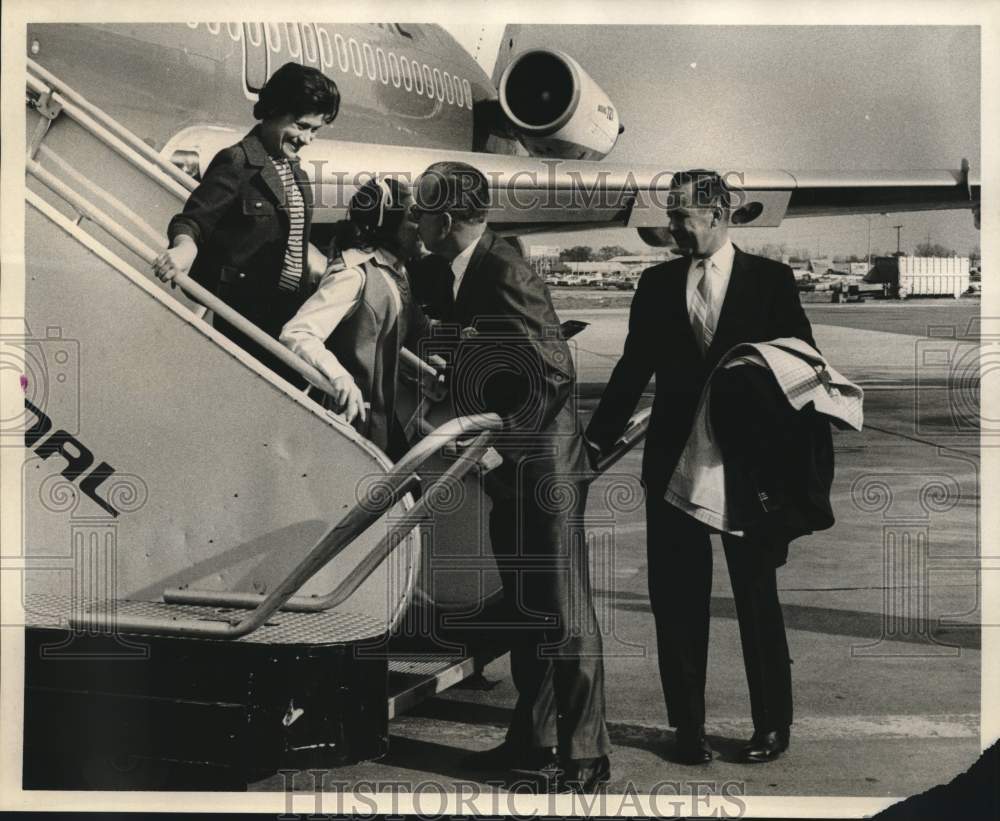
pixel 857 291
pixel 618 284
pixel 210 586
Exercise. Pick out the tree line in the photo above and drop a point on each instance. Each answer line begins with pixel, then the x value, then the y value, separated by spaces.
pixel 777 251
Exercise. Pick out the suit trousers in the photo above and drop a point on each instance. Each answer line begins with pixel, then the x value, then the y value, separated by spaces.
pixel 680 593
pixel 556 656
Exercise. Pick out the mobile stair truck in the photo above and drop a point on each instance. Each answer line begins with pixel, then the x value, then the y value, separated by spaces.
pixel 220 578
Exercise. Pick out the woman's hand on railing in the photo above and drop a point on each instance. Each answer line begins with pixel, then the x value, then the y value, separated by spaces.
pixel 348 396
pixel 176 261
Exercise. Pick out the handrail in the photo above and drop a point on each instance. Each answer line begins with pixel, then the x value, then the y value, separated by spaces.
pixel 103 126
pixel 186 284
pixel 99 194
pixel 634 433
pixel 467 460
pixel 427 379
pixel 422 367
pixel 380 498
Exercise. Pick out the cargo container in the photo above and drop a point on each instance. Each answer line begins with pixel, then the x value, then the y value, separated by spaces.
pixel 933 276
pixel 922 276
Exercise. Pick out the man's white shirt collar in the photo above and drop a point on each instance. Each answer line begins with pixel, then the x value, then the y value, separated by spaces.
pixel 720 269
pixel 722 259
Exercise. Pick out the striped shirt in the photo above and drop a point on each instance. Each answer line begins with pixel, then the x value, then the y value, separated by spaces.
pixel 291 268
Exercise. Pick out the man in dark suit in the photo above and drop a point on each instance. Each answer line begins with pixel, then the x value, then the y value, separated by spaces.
pixel 512 360
pixel 686 313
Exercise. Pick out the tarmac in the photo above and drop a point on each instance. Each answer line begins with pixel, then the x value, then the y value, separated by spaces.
pixel 882 610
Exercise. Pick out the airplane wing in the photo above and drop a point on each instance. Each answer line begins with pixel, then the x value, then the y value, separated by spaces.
pixel 533 195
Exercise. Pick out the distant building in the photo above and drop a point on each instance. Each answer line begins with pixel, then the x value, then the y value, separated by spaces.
pixel 820 265
pixel 596 270
pixel 635 264
pixel 544 251
pixel 543 258
pixel 645 260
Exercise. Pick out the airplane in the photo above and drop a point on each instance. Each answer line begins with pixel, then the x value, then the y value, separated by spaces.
pixel 181 510
pixel 539 126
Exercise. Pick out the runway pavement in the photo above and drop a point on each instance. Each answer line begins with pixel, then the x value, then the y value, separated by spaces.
pixel 882 610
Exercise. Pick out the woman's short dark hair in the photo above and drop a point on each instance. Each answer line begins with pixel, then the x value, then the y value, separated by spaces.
pixel 376 211
pixel 298 90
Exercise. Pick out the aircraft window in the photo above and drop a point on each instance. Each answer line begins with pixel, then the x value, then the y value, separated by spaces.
pixel 468 94
pixel 235 31
pixel 449 89
pixel 418 78
pixel 429 81
pixel 407 73
pixel 325 47
pixel 459 94
pixel 255 36
pixel 255 57
pixel 438 85
pixel 356 61
pixel 343 59
pixel 370 61
pixel 294 43
pixel 394 74
pixel 383 66
pixel 213 28
pixel 272 32
pixel 309 45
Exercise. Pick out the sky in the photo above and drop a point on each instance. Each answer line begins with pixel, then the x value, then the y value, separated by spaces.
pixel 789 97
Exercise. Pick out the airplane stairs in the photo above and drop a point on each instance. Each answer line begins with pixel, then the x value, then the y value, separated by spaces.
pixel 212 562
pixel 213 565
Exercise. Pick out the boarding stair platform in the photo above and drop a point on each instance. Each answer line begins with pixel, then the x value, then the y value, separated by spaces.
pixel 216 569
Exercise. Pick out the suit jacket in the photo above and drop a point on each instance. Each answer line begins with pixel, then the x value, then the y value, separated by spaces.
pixel 237 217
pixel 431 280
pixel 516 364
pixel 761 304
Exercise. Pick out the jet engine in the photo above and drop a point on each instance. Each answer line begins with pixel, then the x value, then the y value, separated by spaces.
pixel 556 109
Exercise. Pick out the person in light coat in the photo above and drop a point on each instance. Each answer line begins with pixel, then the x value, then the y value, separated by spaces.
pixel 352 328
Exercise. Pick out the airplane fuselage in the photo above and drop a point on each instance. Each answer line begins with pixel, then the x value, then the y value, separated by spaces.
pixel 400 84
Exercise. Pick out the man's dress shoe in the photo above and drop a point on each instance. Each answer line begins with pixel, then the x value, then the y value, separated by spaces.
pixel 584 775
pixel 510 757
pixel 766 745
pixel 691 746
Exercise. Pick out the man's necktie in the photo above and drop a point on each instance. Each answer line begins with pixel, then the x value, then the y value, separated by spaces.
pixel 702 317
pixel 449 292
